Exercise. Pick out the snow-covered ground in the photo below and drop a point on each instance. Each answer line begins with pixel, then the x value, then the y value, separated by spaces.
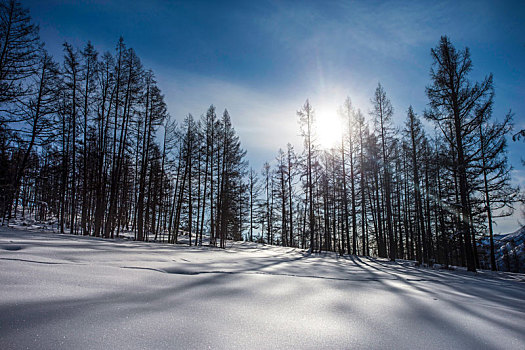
pixel 70 292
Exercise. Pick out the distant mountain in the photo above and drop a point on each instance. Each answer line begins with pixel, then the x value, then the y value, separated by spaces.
pixel 510 251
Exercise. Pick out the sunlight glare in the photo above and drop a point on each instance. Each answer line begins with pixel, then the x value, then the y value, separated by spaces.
pixel 328 127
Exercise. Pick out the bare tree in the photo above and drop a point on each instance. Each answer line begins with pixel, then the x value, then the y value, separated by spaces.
pixel 383 111
pixel 306 120
pixel 19 50
pixel 454 99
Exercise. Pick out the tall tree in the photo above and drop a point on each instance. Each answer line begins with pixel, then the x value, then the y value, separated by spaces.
pixel 72 81
pixel 361 130
pixel 454 99
pixel 154 114
pixel 291 160
pixel 306 120
pixel 35 111
pixel 105 82
pixel 415 134
pixel 498 191
pixel 267 206
pixel 254 190
pixel 89 71
pixel 383 111
pixel 350 121
pixel 346 112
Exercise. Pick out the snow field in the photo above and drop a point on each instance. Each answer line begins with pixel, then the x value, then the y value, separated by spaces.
pixel 71 292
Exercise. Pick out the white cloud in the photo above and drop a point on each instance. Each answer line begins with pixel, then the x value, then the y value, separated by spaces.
pixel 264 122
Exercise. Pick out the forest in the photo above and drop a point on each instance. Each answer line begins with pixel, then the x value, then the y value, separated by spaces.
pixel 87 145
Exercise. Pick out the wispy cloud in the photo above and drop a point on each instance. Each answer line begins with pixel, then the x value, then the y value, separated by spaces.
pixel 265 122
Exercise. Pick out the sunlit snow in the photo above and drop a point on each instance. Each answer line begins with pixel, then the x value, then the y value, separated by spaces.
pixel 70 292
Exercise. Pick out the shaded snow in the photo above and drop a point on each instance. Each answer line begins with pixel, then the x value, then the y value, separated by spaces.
pixel 70 292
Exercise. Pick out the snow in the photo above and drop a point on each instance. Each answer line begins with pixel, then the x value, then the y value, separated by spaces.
pixel 70 292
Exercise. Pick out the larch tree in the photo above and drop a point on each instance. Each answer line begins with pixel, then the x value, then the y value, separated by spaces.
pixel 383 112
pixel 89 70
pixel 306 120
pixel 72 80
pixel 454 99
pixel 498 192
pixel 19 50
pixel 35 110
pixel 415 137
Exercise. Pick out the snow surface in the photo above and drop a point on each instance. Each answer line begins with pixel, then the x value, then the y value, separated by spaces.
pixel 70 292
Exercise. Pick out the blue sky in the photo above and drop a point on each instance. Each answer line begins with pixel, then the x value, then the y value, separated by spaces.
pixel 262 59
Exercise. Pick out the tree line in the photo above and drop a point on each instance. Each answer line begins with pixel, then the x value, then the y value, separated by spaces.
pixel 399 193
pixel 79 142
pixel 88 144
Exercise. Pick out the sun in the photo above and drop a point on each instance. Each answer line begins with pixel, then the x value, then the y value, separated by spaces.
pixel 328 127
